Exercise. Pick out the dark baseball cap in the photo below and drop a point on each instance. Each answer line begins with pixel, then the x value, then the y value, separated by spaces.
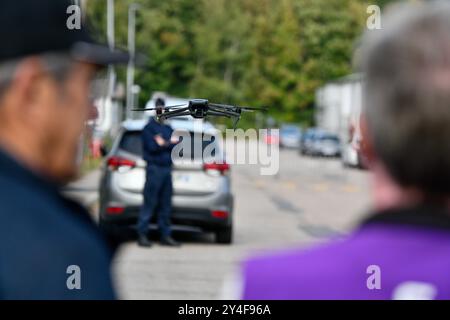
pixel 33 27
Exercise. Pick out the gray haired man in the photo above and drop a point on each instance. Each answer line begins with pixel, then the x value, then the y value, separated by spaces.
pixel 403 250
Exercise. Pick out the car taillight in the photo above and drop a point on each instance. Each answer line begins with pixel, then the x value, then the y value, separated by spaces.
pixel 115 163
pixel 219 214
pixel 221 167
pixel 115 210
pixel 272 139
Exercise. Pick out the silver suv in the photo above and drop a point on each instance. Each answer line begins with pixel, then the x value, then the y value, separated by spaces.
pixel 202 199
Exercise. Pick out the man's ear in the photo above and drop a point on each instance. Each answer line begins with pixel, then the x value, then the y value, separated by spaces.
pixel 24 84
pixel 366 145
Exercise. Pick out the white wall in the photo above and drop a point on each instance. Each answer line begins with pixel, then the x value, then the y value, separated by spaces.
pixel 338 104
pixel 328 107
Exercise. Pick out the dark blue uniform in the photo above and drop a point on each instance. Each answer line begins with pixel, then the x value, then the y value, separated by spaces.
pixel 41 235
pixel 158 184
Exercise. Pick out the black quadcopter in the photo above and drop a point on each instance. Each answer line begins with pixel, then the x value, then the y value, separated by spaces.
pixel 201 108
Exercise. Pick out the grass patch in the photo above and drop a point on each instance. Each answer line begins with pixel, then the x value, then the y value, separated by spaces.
pixel 90 164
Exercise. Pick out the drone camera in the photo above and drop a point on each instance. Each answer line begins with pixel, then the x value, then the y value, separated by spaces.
pixel 198 108
pixel 159 111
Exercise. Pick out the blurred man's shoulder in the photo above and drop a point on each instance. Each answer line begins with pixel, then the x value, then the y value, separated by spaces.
pixel 20 193
pixel 306 259
pixel 40 214
pixel 353 267
pixel 150 126
pixel 295 273
pixel 44 230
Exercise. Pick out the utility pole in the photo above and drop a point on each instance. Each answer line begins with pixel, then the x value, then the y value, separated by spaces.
pixel 114 108
pixel 111 43
pixel 132 50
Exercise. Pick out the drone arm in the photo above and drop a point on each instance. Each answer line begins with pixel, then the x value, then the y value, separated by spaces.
pixel 222 106
pixel 218 114
pixel 165 116
pixel 228 113
pixel 234 108
pixel 174 113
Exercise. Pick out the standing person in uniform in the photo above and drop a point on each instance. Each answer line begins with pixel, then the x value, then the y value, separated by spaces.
pixel 158 144
pixel 49 247
pixel 403 250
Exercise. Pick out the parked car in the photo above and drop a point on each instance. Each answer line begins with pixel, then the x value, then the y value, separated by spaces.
pixel 290 136
pixel 326 145
pixel 307 141
pixel 202 199
pixel 272 137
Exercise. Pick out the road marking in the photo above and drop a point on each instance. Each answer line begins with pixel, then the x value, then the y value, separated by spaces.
pixel 350 188
pixel 291 185
pixel 321 187
pixel 260 184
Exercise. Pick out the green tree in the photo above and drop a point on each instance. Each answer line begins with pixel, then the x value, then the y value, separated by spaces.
pixel 273 53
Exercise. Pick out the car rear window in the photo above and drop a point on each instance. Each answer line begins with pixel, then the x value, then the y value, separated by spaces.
pixel 131 142
pixel 206 141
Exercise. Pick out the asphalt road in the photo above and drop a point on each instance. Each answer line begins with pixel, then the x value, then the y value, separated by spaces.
pixel 309 201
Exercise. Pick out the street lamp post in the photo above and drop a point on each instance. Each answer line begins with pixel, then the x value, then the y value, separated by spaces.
pixel 132 50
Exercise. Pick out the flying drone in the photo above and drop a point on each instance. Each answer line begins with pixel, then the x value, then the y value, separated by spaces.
pixel 201 108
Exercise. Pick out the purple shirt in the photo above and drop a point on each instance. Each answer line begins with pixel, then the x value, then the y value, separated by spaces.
pixel 401 254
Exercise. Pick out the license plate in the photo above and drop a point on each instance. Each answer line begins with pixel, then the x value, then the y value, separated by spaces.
pixel 182 178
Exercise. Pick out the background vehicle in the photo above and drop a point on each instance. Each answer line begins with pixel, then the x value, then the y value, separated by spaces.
pixel 290 136
pixel 326 145
pixel 307 141
pixel 202 199
pixel 272 136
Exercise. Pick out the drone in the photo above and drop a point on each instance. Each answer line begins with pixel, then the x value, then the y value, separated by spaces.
pixel 200 109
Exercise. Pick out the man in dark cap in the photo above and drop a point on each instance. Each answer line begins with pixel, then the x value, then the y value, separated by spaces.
pixel 49 248
pixel 158 144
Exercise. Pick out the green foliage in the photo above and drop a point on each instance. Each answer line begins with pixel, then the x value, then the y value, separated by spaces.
pixel 273 53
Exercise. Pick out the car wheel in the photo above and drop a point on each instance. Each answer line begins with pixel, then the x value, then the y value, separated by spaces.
pixel 224 236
